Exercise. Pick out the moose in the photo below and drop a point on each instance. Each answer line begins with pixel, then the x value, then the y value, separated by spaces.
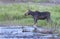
pixel 39 16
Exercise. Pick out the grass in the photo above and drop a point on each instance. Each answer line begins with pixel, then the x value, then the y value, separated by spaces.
pixel 42 1
pixel 14 13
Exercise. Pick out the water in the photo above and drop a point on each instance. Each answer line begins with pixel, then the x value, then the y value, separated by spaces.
pixel 26 32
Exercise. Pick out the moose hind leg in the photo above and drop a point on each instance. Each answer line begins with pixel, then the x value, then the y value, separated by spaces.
pixel 49 23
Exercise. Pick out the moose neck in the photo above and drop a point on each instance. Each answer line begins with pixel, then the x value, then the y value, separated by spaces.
pixel 32 13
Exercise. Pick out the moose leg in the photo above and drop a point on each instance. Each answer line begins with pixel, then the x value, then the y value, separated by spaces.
pixel 35 25
pixel 48 20
pixel 35 21
pixel 49 23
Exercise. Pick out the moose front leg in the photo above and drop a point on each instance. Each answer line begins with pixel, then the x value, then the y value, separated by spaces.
pixel 35 21
pixel 35 24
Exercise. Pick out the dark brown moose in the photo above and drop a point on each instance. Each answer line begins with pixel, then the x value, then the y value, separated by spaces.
pixel 38 15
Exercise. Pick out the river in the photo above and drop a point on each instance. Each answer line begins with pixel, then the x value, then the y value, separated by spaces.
pixel 24 32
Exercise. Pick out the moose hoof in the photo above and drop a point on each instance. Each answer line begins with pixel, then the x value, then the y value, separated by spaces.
pixel 34 26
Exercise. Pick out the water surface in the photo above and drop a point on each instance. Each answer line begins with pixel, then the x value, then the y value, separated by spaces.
pixel 24 32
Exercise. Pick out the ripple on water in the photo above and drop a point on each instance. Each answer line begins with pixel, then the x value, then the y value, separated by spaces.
pixel 17 32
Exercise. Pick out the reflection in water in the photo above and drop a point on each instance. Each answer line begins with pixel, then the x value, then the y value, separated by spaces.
pixel 26 32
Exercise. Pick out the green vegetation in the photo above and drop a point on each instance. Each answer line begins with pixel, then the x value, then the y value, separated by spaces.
pixel 14 14
pixel 42 1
